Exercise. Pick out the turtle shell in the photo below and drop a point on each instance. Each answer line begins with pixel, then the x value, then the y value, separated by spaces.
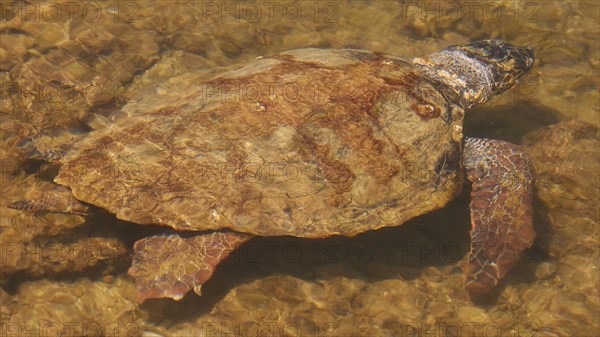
pixel 308 143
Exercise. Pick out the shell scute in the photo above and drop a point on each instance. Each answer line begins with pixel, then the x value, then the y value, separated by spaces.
pixel 353 145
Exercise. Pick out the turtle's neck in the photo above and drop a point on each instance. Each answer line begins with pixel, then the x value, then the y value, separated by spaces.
pixel 463 79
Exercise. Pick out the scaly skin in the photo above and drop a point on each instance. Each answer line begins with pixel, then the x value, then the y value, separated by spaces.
pixel 171 266
pixel 473 73
pixel 501 210
pixel 59 200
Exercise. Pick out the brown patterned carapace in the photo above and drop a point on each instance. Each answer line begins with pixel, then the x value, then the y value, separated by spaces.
pixel 308 143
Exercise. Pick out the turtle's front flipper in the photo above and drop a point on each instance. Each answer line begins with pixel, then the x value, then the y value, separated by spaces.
pixel 501 210
pixel 171 266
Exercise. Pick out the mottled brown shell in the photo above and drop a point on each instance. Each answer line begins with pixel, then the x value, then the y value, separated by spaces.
pixel 308 143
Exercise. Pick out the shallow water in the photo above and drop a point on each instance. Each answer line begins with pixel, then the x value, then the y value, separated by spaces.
pixel 70 66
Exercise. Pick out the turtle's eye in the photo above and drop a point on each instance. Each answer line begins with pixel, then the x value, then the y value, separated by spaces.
pixel 486 53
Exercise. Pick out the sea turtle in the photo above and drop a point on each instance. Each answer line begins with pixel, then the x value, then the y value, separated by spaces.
pixel 308 143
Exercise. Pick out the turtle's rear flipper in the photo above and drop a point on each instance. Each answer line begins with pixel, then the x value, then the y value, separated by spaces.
pixel 50 146
pixel 59 200
pixel 171 266
pixel 501 210
pixel 52 155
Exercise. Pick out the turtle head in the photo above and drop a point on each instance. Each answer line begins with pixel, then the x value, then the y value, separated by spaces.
pixel 474 72
pixel 506 63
